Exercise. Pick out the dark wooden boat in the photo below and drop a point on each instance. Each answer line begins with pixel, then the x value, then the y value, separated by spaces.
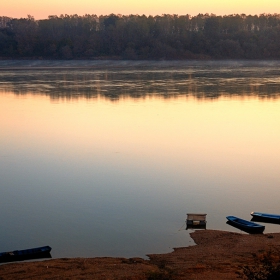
pixel 264 217
pixel 247 226
pixel 196 221
pixel 27 254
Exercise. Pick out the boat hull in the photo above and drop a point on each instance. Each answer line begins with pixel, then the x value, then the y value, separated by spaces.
pixel 195 225
pixel 27 254
pixel 266 218
pixel 247 226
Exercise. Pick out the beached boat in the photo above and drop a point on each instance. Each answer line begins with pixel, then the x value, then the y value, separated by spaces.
pixel 265 217
pixel 27 254
pixel 244 225
pixel 195 220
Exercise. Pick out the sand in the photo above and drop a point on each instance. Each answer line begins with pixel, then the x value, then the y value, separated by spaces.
pixel 216 255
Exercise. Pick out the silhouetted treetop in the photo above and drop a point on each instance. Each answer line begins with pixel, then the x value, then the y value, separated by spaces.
pixel 113 36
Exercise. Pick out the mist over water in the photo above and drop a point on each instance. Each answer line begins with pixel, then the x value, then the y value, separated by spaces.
pixel 113 79
pixel 102 158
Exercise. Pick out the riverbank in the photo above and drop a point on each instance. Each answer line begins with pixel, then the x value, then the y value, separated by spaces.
pixel 216 255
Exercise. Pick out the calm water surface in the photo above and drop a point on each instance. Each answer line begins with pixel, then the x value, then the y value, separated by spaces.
pixel 106 158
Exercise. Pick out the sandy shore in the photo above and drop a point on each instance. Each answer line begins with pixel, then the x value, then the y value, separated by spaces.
pixel 217 255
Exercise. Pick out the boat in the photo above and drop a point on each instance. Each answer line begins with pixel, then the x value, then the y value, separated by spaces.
pixel 247 226
pixel 196 220
pixel 27 254
pixel 264 217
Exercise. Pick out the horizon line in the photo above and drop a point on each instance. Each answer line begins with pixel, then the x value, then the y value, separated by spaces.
pixel 157 15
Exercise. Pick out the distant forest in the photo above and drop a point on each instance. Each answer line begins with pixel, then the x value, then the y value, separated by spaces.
pixel 136 37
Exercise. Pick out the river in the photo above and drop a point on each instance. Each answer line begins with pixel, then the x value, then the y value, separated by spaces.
pixel 105 158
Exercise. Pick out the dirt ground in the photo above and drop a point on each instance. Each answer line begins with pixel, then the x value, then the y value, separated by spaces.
pixel 216 255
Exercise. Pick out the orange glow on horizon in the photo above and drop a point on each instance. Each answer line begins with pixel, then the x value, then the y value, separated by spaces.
pixel 42 9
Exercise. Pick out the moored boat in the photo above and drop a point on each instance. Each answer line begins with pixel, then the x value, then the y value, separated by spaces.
pixel 27 254
pixel 248 226
pixel 196 220
pixel 265 217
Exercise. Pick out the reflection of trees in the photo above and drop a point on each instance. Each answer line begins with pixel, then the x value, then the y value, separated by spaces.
pixel 200 81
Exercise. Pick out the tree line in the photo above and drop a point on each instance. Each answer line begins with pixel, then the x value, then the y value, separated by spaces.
pixel 141 37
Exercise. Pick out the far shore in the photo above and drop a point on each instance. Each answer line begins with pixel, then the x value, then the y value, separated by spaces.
pixel 216 255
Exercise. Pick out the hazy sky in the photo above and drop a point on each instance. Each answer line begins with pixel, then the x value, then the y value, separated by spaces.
pixel 43 8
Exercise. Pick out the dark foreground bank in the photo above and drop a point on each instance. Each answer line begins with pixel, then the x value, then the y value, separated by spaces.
pixel 217 255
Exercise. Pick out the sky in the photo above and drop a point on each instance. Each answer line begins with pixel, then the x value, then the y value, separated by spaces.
pixel 41 9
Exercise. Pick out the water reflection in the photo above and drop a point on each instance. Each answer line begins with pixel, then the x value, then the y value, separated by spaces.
pixel 114 170
pixel 114 80
pixel 265 220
